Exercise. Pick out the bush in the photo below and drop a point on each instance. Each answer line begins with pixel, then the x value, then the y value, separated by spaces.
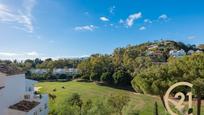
pixel 118 102
pixel 100 108
pixel 107 77
pixel 121 77
pixel 65 109
pixel 28 74
pixel 76 76
pixel 85 77
pixel 87 105
pixel 39 77
pixel 52 77
pixel 63 76
pixel 75 100
pixel 94 76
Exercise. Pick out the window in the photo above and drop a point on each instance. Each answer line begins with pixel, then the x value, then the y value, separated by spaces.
pixel 26 96
pixel 35 113
pixel 30 89
pixel 45 105
pixel 40 109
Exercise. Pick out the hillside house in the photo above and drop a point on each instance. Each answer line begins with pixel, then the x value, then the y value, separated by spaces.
pixel 190 52
pixel 68 71
pixel 39 71
pixel 151 47
pixel 177 53
pixel 199 51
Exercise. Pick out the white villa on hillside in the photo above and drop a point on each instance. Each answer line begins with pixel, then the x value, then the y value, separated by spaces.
pixel 39 71
pixel 152 47
pixel 17 97
pixel 69 71
pixel 176 53
pixel 190 52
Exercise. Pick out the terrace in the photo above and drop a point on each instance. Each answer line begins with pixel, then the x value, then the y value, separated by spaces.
pixel 24 105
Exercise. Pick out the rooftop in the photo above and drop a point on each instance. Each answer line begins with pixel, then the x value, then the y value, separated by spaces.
pixel 25 106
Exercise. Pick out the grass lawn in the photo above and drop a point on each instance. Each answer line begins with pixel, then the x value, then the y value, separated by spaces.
pixel 89 90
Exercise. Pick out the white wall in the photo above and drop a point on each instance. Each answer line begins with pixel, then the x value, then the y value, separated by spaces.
pixel 41 106
pixel 15 88
pixel 15 112
pixel 12 93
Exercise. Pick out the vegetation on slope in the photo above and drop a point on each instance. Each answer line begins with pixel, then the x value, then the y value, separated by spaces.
pixel 8 68
pixel 143 104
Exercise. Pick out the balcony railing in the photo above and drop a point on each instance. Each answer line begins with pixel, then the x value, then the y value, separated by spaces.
pixel 40 97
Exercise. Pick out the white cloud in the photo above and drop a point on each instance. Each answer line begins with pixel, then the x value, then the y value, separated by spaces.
pixel 19 55
pixel 22 16
pixel 29 5
pixel 163 17
pixel 142 28
pixel 121 21
pixel 191 37
pixel 130 20
pixel 147 21
pixel 5 14
pixel 7 54
pixel 85 28
pixel 112 9
pixel 63 57
pixel 33 53
pixel 105 19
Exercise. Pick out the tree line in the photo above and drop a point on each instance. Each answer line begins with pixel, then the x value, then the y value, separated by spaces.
pixel 132 66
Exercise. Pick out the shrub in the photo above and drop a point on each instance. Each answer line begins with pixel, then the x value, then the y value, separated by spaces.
pixel 94 76
pixel 121 77
pixel 107 77
pixel 85 77
pixel 63 76
pixel 118 102
pixel 75 100
pixel 52 77
pixel 76 76
pixel 28 74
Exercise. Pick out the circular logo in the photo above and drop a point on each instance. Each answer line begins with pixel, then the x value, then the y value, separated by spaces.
pixel 179 105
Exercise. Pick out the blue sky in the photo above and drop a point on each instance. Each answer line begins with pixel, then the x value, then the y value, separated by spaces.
pixel 75 28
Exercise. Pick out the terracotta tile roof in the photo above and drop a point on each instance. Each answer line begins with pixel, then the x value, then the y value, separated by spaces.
pixel 25 106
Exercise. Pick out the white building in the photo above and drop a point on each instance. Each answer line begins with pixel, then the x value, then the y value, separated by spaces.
pixel 152 47
pixel 176 53
pixel 190 52
pixel 39 71
pixel 17 97
pixel 69 71
pixel 199 51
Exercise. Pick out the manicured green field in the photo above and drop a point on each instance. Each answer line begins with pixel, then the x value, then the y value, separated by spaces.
pixel 89 90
